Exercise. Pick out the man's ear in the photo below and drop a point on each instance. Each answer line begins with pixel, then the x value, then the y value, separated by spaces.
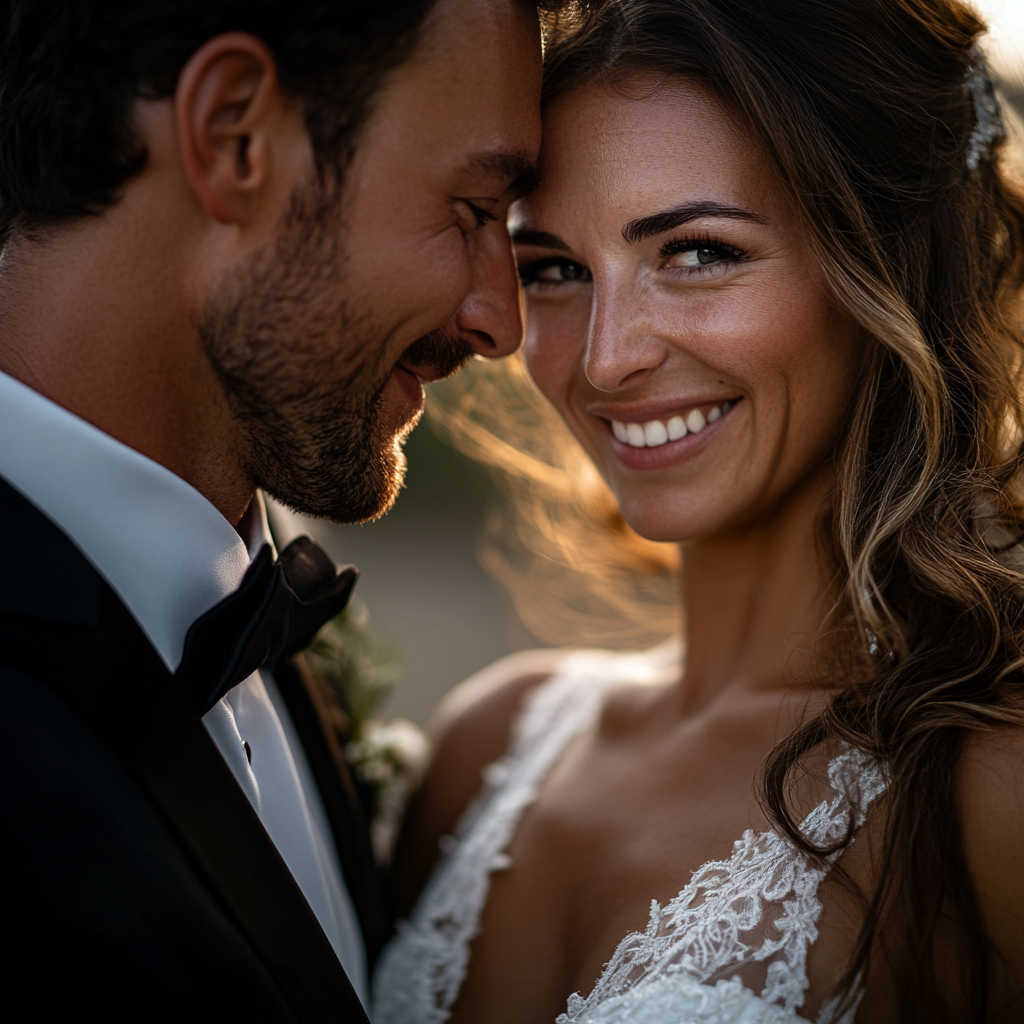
pixel 230 113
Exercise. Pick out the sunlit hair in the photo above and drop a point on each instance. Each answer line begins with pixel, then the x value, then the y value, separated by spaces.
pixel 576 572
pixel 862 108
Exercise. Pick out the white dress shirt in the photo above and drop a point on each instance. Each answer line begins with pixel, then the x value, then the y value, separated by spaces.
pixel 171 556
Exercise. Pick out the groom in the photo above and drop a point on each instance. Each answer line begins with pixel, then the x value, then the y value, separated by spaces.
pixel 237 237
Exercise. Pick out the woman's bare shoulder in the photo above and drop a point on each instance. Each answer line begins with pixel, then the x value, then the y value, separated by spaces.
pixel 472 726
pixel 470 730
pixel 491 698
pixel 992 812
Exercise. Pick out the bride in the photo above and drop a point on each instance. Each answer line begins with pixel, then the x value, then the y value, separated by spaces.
pixel 773 275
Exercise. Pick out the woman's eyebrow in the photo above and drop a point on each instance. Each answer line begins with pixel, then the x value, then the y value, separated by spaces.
pixel 647 227
pixel 543 239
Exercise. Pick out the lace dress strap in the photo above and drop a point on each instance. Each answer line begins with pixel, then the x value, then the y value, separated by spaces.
pixel 422 969
pixel 732 946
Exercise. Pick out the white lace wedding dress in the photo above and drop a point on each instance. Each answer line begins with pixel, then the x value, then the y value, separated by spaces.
pixel 731 948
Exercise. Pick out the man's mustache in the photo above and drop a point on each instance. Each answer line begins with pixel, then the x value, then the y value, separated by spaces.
pixel 442 352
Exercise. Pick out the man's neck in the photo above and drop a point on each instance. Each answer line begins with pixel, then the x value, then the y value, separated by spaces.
pixel 96 318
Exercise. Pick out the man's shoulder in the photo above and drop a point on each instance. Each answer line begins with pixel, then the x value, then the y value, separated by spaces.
pixel 43 576
pixel 105 907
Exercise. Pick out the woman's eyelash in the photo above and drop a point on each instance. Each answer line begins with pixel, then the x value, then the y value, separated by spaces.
pixel 529 271
pixel 678 245
pixel 720 252
pixel 531 268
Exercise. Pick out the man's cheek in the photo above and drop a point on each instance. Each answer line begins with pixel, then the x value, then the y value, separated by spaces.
pixel 447 275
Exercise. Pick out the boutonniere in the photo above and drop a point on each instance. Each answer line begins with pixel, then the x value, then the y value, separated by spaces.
pixel 386 758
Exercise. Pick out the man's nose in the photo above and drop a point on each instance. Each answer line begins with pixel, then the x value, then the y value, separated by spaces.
pixel 491 318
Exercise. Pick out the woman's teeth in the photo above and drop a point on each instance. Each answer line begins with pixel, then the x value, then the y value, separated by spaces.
pixel 657 433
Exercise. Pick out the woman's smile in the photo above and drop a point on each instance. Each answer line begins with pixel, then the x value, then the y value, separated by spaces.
pixel 647 439
pixel 657 432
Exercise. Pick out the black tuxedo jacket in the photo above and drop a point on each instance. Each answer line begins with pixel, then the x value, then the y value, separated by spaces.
pixel 137 881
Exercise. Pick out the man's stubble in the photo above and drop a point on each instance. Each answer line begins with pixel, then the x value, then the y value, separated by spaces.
pixel 304 367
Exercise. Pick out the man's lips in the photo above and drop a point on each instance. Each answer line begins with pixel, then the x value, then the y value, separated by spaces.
pixel 411 389
pixel 447 365
pixel 425 374
pixel 405 383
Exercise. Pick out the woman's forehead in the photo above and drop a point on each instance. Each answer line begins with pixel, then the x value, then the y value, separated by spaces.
pixel 620 151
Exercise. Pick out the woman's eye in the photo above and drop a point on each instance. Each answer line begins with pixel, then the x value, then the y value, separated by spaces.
pixel 696 255
pixel 552 270
pixel 701 257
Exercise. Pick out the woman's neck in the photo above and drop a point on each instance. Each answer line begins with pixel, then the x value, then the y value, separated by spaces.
pixel 756 601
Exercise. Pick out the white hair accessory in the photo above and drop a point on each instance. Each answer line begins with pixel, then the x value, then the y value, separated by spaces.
pixel 989 125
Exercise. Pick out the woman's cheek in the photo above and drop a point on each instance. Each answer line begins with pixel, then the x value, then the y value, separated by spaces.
pixel 556 337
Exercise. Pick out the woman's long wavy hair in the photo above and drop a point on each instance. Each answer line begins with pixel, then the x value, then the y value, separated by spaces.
pixel 862 107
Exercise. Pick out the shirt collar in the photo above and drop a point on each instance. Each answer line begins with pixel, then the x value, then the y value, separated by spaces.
pixel 163 548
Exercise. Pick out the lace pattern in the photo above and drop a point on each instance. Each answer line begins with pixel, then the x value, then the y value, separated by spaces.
pixel 759 909
pixel 731 948
pixel 422 969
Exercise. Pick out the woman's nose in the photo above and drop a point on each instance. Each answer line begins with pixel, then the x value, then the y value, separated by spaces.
pixel 621 352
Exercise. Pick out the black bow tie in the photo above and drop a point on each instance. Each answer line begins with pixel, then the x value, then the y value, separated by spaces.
pixel 276 611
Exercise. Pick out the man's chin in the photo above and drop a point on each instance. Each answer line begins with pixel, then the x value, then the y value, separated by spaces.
pixel 390 479
pixel 345 491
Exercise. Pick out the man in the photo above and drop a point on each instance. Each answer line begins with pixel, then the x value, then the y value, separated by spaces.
pixel 237 236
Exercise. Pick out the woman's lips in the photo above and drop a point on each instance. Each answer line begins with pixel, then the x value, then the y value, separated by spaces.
pixel 663 442
pixel 656 432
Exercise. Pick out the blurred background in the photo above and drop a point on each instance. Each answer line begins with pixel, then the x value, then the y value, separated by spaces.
pixel 1005 47
pixel 432 606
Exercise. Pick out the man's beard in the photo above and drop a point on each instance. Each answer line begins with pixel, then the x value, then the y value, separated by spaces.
pixel 304 371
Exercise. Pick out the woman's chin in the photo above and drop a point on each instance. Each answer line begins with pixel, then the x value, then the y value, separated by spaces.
pixel 666 526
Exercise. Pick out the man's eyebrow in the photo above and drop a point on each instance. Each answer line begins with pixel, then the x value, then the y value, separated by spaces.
pixel 647 227
pixel 542 239
pixel 516 168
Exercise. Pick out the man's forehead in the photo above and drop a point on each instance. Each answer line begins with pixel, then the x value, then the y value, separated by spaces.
pixel 453 26
pixel 518 169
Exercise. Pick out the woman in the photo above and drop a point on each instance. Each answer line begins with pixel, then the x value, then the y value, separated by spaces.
pixel 773 275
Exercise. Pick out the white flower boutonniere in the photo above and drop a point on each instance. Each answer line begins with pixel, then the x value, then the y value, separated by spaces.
pixel 391 757
pixel 386 758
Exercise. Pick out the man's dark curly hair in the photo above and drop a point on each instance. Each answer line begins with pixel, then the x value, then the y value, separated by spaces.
pixel 70 71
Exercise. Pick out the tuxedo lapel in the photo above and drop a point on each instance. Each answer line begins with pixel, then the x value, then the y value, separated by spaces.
pixel 321 725
pixel 98 660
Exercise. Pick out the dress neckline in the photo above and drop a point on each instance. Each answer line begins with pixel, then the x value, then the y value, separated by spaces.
pixel 757 908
